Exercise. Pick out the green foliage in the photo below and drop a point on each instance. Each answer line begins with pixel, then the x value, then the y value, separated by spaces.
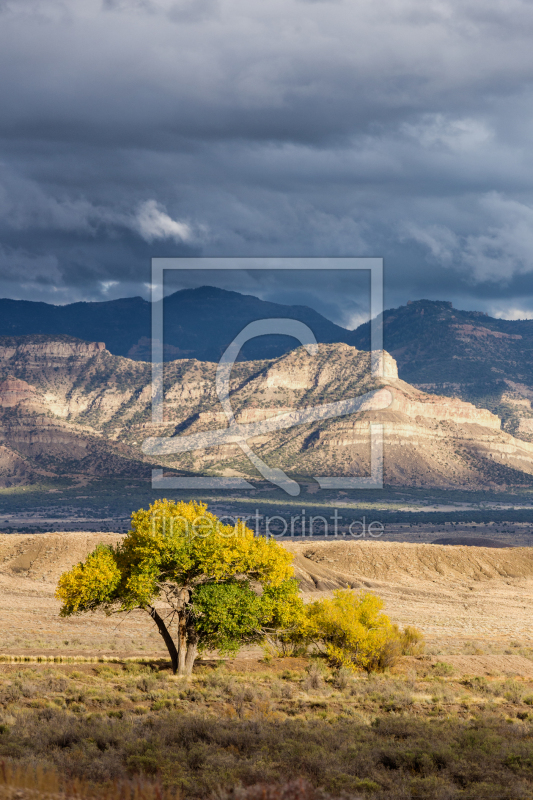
pixel 354 632
pixel 227 614
pixel 224 585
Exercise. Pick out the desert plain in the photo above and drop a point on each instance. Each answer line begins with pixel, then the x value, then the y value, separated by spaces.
pixel 474 605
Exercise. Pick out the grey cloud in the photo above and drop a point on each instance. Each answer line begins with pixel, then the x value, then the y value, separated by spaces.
pixel 137 128
pixel 25 205
pixel 131 74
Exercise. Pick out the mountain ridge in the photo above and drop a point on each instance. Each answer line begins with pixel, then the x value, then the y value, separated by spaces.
pixel 466 354
pixel 71 410
pixel 198 323
pixel 439 349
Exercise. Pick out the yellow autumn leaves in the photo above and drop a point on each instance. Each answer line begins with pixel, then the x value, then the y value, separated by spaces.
pixel 185 545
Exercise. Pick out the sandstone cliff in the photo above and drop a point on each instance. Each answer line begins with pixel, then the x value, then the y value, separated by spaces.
pixel 75 404
pixel 464 354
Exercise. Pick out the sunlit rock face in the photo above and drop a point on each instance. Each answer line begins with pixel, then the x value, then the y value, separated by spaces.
pixel 72 401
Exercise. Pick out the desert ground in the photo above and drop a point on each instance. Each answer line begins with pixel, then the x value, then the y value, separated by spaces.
pixel 453 723
pixel 473 604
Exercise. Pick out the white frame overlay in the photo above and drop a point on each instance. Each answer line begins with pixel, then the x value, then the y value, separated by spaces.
pixel 375 265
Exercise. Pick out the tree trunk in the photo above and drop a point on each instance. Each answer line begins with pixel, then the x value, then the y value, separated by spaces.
pixel 167 638
pixel 182 643
pixel 192 652
pixel 184 652
pixel 192 647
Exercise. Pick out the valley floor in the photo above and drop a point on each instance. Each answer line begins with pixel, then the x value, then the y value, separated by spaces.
pixel 466 600
pixel 453 724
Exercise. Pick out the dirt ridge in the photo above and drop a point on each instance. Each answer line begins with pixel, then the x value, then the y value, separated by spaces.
pixel 402 562
pixel 319 565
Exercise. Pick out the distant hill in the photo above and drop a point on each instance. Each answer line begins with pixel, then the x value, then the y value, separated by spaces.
pixel 71 409
pixel 466 354
pixel 199 323
pixel 439 349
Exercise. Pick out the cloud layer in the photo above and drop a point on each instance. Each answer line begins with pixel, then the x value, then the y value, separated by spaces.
pixel 139 128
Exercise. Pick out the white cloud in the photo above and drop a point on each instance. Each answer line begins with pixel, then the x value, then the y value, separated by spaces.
pixel 509 312
pixel 152 222
pixel 107 285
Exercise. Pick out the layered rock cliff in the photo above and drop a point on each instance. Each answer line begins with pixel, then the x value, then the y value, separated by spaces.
pixel 69 404
pixel 464 354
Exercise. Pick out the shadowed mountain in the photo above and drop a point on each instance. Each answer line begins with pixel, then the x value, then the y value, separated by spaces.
pixel 198 323
pixel 466 354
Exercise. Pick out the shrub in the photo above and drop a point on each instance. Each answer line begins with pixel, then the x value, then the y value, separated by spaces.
pixel 478 684
pixel 11 694
pixel 286 691
pixel 56 684
pixel 294 790
pixel 442 669
pixel 146 684
pixel 201 756
pixel 354 633
pixel 513 691
pixel 342 678
pixel 315 678
pixel 282 689
pixel 411 641
pixel 388 655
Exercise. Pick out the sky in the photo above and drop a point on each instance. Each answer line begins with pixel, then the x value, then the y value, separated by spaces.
pixel 132 129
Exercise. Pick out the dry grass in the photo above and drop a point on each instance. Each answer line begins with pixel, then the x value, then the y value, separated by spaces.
pixel 103 726
pixel 454 724
pixel 23 783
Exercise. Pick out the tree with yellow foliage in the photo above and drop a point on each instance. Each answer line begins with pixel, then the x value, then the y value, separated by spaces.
pixel 215 586
pixel 353 631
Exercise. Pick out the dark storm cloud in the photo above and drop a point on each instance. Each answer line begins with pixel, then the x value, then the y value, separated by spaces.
pixel 132 129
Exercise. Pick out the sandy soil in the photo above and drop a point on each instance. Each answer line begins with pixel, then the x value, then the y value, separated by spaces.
pixel 453 594
pixel 471 603
pixel 29 622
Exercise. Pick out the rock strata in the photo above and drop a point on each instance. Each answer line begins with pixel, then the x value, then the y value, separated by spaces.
pixel 72 398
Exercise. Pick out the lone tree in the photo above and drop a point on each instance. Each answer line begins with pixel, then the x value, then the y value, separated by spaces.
pixel 215 586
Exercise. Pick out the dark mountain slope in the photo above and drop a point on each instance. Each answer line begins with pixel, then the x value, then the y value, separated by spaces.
pixel 467 354
pixel 118 323
pixel 199 323
pixel 204 321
